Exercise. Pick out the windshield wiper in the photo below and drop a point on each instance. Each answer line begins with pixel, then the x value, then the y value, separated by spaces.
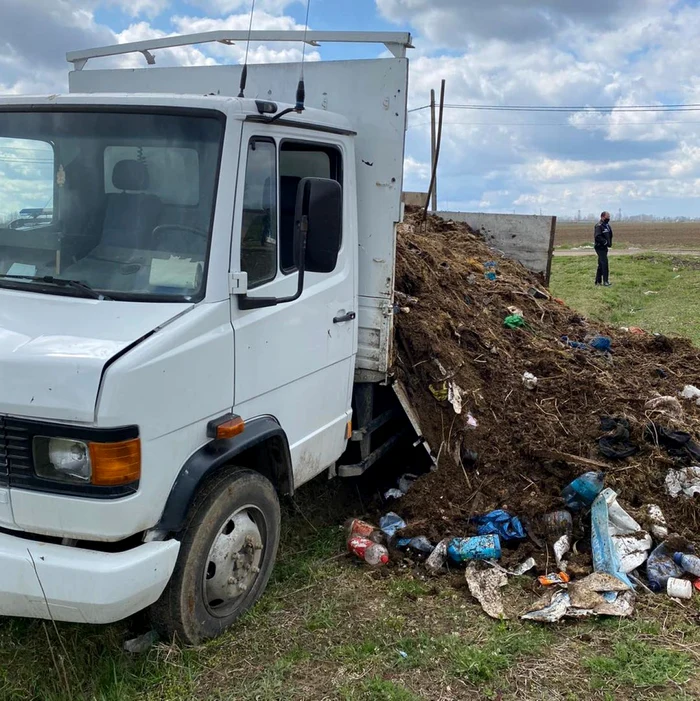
pixel 60 282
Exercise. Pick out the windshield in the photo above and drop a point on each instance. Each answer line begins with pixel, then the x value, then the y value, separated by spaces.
pixel 118 201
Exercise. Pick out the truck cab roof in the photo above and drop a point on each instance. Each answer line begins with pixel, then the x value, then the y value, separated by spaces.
pixel 244 108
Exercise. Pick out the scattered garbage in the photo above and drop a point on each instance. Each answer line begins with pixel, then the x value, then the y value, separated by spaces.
pixel 618 542
pixel 597 594
pixel 142 643
pixel 501 523
pixel 583 490
pixel 454 396
pixel 405 482
pixel 678 444
pixel 547 580
pixel 514 321
pixel 420 545
pixel 574 344
pixel 679 588
pixel 482 547
pixel 659 527
pixel 685 481
pixel 372 553
pixel 661 567
pixel 561 547
pixel 516 311
pixel 537 294
pixel 529 380
pixel 490 270
pixel 524 567
pixel 437 558
pixel 617 444
pixel 688 563
pixel 356 526
pixel 601 343
pixel 390 523
pixel 691 392
pixel 485 586
pixel 696 584
pixel 471 421
pixel 665 405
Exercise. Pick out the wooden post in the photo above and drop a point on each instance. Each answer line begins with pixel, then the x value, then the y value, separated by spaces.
pixel 432 147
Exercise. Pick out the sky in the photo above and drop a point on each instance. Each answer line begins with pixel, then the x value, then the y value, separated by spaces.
pixel 537 53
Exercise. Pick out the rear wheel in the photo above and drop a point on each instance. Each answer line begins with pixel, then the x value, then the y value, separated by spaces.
pixel 226 557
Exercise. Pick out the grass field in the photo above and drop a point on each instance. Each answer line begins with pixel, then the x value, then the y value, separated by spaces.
pixel 329 628
pixel 644 235
pixel 657 292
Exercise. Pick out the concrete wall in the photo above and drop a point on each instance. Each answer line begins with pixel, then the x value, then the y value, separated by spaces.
pixel 526 238
pixel 417 199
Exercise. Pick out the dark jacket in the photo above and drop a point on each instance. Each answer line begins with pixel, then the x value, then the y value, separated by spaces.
pixel 603 235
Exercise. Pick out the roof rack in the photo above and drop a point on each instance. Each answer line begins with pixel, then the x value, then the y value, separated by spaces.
pixel 396 42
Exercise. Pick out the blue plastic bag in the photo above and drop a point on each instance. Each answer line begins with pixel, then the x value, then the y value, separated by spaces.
pixel 500 523
pixel 390 523
pixel 601 343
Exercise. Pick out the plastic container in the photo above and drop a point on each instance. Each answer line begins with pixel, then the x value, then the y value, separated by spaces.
pixel 480 547
pixel 372 553
pixel 557 524
pixel 679 588
pixel 359 527
pixel 437 558
pixel 661 567
pixel 583 490
pixel 688 563
pixel 659 527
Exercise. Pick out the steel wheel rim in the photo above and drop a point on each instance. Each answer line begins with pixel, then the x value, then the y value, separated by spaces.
pixel 233 562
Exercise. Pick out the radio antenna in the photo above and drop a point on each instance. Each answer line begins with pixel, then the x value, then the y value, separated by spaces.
pixel 301 90
pixel 244 72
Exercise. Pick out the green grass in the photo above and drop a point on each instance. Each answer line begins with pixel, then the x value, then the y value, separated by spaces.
pixel 330 628
pixel 674 309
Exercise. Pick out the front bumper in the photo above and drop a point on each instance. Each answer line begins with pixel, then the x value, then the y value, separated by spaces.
pixel 41 580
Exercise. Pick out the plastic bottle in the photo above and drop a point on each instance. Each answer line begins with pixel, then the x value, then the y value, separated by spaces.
pixel 480 547
pixel 661 567
pixel 583 490
pixel 369 551
pixel 437 558
pixel 688 563
pixel 679 588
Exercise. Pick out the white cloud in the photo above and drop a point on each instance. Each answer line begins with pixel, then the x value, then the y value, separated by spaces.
pixel 141 8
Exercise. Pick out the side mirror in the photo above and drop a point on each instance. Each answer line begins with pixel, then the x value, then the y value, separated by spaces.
pixel 319 215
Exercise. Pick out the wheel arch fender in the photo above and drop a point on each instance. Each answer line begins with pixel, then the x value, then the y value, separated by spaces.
pixel 262 446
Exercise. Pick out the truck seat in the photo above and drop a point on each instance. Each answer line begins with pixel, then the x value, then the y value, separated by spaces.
pixel 131 214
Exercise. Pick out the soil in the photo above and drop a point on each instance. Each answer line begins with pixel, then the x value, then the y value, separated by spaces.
pixel 528 444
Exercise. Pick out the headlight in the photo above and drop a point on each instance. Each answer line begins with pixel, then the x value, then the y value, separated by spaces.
pixel 62 459
pixel 80 462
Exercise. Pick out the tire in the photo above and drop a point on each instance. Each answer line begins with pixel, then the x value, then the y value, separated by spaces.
pixel 228 549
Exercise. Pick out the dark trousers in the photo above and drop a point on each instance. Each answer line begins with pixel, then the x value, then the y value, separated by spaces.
pixel 602 272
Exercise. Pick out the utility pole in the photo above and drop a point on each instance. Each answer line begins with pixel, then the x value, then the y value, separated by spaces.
pixel 432 148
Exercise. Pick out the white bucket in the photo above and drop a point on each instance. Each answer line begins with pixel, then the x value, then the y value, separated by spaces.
pixel 679 588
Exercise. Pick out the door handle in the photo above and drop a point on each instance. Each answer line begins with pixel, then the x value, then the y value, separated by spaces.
pixel 345 317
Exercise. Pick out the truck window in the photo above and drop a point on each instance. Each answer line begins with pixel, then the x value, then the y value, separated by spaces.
pixel 301 160
pixel 259 219
pixel 173 173
pixel 27 171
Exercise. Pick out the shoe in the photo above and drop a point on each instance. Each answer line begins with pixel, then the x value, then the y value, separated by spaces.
pixel 598 284
pixel 607 284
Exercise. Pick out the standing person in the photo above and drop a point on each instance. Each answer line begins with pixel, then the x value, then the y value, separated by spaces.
pixel 602 240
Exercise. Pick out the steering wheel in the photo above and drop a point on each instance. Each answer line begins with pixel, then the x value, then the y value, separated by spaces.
pixel 158 232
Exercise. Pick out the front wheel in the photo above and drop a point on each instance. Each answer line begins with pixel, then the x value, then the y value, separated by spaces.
pixel 226 557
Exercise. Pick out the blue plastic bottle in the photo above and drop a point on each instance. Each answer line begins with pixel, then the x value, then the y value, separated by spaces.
pixel 480 547
pixel 583 490
pixel 689 563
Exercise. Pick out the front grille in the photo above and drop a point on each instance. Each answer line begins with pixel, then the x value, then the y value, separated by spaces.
pixel 15 456
pixel 4 464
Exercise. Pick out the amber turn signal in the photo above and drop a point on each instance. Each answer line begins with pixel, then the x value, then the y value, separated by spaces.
pixel 115 463
pixel 226 427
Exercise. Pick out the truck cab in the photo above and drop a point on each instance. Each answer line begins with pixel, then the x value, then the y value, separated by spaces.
pixel 201 291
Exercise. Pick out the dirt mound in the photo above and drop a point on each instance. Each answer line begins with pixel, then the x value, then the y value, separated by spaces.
pixel 529 443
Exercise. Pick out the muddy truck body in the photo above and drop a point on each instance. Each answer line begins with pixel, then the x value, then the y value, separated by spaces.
pixel 196 300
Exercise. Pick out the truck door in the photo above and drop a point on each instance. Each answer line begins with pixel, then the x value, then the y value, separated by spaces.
pixel 296 360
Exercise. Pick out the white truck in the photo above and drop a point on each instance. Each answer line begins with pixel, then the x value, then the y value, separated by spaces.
pixel 199 321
